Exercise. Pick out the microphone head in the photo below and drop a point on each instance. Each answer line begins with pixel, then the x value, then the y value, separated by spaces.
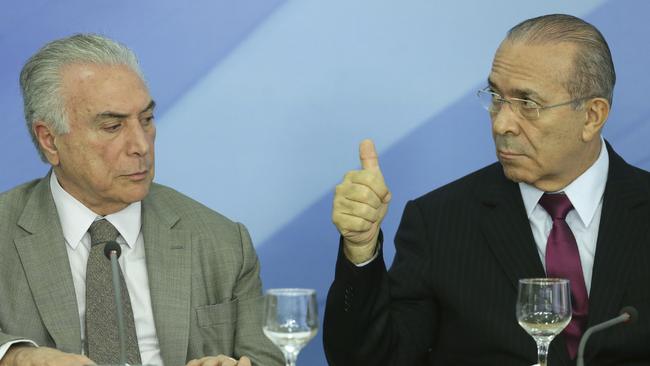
pixel 632 312
pixel 112 246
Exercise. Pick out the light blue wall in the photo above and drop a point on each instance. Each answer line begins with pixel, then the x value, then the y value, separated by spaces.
pixel 263 103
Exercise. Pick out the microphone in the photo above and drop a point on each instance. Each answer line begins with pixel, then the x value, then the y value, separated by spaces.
pixel 113 251
pixel 627 315
pixel 110 247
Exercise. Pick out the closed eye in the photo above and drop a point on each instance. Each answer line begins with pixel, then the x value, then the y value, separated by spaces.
pixel 112 128
pixel 146 121
pixel 529 104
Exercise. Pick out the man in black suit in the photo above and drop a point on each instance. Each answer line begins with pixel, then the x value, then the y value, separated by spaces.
pixel 450 295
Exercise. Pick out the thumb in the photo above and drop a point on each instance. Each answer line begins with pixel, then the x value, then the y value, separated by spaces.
pixel 368 155
pixel 244 361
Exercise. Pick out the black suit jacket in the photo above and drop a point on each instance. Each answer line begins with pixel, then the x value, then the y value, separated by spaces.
pixel 450 295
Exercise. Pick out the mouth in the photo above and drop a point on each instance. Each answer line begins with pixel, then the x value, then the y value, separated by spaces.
pixel 508 155
pixel 138 176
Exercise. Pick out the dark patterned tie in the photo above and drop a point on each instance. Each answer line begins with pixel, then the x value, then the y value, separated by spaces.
pixel 102 338
pixel 563 261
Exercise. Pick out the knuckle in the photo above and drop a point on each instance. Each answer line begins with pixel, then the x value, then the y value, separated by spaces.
pixel 360 224
pixel 373 215
pixel 368 212
pixel 336 220
pixel 369 195
pixel 337 203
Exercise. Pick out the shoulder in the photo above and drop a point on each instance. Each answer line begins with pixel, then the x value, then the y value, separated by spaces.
pixel 13 201
pixel 621 172
pixel 467 188
pixel 190 214
pixel 639 173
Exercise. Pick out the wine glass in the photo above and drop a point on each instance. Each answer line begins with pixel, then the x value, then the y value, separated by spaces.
pixel 290 319
pixel 543 310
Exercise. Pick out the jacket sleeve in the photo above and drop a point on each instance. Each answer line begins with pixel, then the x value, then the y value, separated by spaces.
pixel 250 341
pixel 379 317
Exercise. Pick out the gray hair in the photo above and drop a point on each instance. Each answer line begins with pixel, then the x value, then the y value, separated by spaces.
pixel 593 70
pixel 40 78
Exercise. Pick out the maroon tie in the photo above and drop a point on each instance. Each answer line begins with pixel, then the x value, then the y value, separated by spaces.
pixel 563 261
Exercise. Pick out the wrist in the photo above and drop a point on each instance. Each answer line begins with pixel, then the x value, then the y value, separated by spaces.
pixel 359 253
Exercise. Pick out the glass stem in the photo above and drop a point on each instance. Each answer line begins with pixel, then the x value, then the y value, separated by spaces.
pixel 290 357
pixel 542 351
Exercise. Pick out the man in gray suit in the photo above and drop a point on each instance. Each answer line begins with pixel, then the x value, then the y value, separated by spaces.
pixel 194 292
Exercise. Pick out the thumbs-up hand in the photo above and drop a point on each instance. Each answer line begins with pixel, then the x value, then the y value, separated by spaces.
pixel 360 204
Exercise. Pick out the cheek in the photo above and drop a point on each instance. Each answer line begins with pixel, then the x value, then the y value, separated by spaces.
pixel 103 163
pixel 554 151
pixel 544 143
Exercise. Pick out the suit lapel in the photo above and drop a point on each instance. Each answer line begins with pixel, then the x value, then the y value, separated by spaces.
pixel 621 227
pixel 168 259
pixel 45 261
pixel 506 228
pixel 507 231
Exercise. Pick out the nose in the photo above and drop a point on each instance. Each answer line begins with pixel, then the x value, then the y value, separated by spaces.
pixel 139 141
pixel 505 121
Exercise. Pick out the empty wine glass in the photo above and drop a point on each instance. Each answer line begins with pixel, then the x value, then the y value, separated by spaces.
pixel 290 319
pixel 543 310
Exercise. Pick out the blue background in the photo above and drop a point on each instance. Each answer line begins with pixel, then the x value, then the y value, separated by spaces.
pixel 262 103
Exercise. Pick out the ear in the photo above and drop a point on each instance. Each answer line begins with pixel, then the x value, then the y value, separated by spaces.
pixel 46 141
pixel 596 113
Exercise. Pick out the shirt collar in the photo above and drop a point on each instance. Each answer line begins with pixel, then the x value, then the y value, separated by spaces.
pixel 76 218
pixel 581 192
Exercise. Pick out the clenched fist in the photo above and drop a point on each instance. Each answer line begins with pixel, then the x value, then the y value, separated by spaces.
pixel 360 204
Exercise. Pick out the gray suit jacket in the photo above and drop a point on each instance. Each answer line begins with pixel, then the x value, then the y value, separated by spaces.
pixel 203 276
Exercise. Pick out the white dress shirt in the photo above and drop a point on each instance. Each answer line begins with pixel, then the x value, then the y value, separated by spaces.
pixel 586 195
pixel 75 220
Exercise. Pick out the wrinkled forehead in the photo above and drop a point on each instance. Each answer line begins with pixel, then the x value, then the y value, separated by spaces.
pixel 543 67
pixel 96 87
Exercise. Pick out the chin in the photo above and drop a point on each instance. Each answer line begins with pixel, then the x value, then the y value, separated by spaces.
pixel 137 193
pixel 516 175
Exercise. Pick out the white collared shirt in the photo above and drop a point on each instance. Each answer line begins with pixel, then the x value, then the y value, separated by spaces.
pixel 586 195
pixel 75 219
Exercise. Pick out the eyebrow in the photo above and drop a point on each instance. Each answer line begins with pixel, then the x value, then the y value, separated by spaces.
pixel 149 107
pixel 520 93
pixel 116 115
pixel 528 94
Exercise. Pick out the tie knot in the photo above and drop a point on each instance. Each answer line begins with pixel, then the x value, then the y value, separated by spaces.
pixel 557 205
pixel 102 231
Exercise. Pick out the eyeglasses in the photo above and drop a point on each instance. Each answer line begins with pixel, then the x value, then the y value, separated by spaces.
pixel 526 108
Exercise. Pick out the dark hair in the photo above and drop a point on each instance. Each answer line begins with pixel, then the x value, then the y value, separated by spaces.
pixel 593 70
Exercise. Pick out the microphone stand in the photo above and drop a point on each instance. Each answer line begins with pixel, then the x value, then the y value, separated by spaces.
pixel 118 299
pixel 628 314
pixel 112 251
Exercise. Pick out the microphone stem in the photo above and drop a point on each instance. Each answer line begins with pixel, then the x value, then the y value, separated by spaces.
pixel 606 324
pixel 118 298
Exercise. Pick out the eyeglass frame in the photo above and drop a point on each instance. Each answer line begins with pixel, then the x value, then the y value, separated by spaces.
pixel 501 99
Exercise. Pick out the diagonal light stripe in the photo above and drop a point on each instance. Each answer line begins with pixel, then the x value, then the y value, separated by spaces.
pixel 279 119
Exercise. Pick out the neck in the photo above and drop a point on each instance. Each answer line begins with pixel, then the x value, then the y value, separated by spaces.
pixel 585 161
pixel 99 208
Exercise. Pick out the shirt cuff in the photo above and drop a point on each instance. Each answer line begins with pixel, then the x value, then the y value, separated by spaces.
pixel 5 346
pixel 380 242
pixel 374 256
